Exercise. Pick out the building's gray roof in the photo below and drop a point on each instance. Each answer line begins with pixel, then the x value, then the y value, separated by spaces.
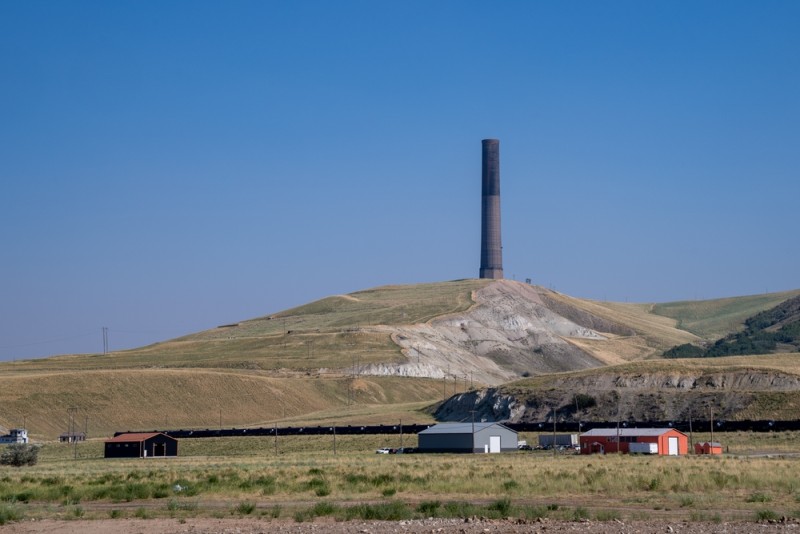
pixel 605 432
pixel 712 443
pixel 461 428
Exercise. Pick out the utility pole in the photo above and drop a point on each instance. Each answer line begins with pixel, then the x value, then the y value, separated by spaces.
pixel 691 439
pixel 276 439
pixel 334 439
pixel 554 431
pixel 472 412
pixel 619 409
pixel 105 340
pixel 72 410
pixel 712 424
pixel 401 433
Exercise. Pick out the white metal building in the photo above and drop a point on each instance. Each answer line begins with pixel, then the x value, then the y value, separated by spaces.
pixel 15 435
pixel 468 437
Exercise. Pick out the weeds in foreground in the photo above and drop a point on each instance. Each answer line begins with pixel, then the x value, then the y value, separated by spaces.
pixel 766 515
pixel 759 497
pixel 607 515
pixel 9 513
pixel 245 508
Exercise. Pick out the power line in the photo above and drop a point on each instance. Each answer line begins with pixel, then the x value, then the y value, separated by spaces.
pixel 45 342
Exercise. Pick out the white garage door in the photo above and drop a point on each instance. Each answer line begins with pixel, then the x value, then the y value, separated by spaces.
pixel 673 446
pixel 494 443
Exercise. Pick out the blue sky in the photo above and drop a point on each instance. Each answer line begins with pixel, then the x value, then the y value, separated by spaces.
pixel 171 166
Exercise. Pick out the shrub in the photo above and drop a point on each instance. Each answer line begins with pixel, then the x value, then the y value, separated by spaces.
pixel 766 515
pixel 533 512
pixel 501 506
pixel 580 513
pixel 9 513
pixel 19 454
pixel 300 516
pixel 460 509
pixel 324 508
pixel 246 508
pixel 428 508
pixel 393 511
pixel 606 515
pixel 759 497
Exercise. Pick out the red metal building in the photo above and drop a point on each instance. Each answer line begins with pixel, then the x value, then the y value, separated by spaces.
pixel 661 441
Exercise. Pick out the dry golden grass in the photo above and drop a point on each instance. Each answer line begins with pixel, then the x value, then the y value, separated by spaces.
pixel 111 401
pixel 305 472
pixel 654 333
pixel 255 372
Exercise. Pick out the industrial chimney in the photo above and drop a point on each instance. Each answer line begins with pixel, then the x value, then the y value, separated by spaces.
pixel 491 245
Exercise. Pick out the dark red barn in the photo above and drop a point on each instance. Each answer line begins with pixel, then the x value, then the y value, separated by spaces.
pixel 141 445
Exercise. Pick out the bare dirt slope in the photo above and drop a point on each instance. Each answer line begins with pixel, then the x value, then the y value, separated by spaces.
pixel 517 329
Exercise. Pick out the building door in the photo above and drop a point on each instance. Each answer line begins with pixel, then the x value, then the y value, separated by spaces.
pixel 673 446
pixel 159 449
pixel 494 443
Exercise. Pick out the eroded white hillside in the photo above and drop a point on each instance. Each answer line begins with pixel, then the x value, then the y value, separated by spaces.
pixel 507 333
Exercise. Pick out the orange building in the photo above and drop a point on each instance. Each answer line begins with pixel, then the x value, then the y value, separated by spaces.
pixel 661 441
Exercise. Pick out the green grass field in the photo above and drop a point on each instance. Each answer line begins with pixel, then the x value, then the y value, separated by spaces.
pixel 713 319
pixel 305 479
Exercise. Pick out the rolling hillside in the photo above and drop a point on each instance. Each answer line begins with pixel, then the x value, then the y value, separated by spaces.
pixel 388 350
pixel 771 331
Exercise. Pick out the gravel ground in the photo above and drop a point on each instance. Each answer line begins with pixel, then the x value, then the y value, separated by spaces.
pixel 428 526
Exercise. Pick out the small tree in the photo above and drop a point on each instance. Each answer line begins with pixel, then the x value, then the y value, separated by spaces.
pixel 19 454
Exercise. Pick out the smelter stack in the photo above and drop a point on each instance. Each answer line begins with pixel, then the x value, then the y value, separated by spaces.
pixel 491 245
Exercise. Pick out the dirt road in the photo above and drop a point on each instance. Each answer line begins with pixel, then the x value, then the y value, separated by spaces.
pixel 427 526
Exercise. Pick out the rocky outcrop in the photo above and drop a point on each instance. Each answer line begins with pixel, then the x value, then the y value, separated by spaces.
pixel 637 397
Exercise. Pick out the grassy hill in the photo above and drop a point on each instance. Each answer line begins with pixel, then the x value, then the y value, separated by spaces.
pixel 330 333
pixel 307 364
pixel 713 319
pixel 769 331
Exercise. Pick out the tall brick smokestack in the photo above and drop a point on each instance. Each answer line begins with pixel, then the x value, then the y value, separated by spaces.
pixel 491 245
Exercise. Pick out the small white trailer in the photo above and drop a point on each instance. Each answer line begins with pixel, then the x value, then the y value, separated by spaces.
pixel 643 448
